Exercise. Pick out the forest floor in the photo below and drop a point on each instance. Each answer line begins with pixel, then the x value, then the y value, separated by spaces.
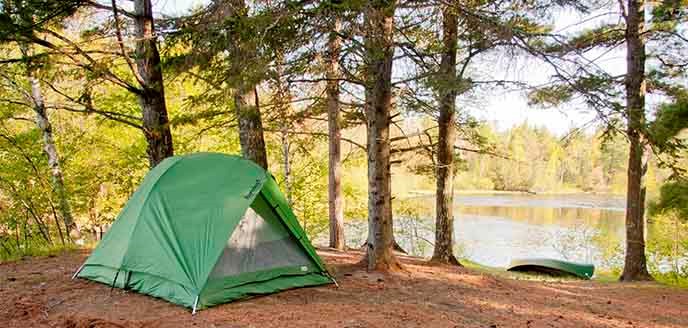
pixel 38 292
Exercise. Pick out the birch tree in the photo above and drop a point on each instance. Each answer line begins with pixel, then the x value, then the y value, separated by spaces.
pixel 19 13
pixel 143 79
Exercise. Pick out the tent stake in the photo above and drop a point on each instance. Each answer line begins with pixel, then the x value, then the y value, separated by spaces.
pixel 333 280
pixel 193 311
pixel 77 271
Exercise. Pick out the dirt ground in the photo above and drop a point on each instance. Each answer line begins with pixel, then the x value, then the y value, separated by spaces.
pixel 38 292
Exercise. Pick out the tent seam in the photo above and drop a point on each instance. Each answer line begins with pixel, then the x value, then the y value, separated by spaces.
pixel 299 239
pixel 145 201
pixel 253 198
pixel 275 278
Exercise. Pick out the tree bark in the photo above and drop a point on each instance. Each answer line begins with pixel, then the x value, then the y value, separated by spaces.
pixel 336 199
pixel 635 265
pixel 50 150
pixel 156 127
pixel 379 52
pixel 286 165
pixel 444 220
pixel 246 102
pixel 250 127
pixel 282 105
pixel 44 125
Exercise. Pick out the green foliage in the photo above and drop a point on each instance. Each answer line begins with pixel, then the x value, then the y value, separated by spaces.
pixel 667 245
pixel 27 217
pixel 550 96
pixel 611 256
pixel 670 12
pixel 604 36
pixel 536 160
pixel 673 200
pixel 11 252
pixel 666 133
pixel 308 186
pixel 671 119
pixel 20 19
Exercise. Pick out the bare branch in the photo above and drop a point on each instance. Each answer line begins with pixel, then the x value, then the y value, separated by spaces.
pixel 97 5
pixel 322 134
pixel 120 42
pixel 94 65
pixel 88 108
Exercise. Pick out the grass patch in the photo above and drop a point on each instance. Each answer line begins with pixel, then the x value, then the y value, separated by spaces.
pixel 607 276
pixel 36 251
pixel 672 279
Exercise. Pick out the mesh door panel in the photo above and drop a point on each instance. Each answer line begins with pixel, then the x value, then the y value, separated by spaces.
pixel 257 245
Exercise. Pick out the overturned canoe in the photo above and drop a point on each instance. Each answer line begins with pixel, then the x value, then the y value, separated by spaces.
pixel 553 267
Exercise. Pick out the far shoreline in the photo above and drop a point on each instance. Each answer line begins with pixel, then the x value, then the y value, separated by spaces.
pixel 426 192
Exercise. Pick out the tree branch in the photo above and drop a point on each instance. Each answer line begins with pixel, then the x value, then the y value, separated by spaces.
pixel 120 42
pixel 96 67
pixel 97 5
pixel 322 134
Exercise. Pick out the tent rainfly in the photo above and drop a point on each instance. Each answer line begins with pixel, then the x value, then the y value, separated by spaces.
pixel 206 229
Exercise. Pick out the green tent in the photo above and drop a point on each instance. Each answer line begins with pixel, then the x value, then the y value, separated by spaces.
pixel 205 229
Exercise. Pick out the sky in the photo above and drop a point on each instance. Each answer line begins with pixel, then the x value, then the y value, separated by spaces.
pixel 503 109
pixel 176 7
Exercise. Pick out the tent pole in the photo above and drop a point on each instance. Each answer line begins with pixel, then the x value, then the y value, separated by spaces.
pixel 126 280
pixel 77 271
pixel 114 281
pixel 193 311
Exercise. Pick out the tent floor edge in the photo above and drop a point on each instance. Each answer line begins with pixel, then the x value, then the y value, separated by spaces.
pixel 142 283
pixel 261 288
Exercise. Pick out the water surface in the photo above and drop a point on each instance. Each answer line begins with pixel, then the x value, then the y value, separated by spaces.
pixel 493 229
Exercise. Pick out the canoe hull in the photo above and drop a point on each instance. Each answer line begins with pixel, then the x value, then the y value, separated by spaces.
pixel 553 267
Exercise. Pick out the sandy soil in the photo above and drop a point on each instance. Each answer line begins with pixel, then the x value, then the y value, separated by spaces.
pixel 39 293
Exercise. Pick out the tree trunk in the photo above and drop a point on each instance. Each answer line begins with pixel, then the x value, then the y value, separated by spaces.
pixel 336 210
pixel 282 106
pixel 379 52
pixel 50 150
pixel 444 221
pixel 246 102
pixel 156 125
pixel 635 266
pixel 250 127
pixel 287 165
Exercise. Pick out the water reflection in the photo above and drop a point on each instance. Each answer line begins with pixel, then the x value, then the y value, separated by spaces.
pixel 493 229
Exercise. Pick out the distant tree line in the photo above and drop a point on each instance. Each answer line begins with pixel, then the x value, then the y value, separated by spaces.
pixel 536 160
